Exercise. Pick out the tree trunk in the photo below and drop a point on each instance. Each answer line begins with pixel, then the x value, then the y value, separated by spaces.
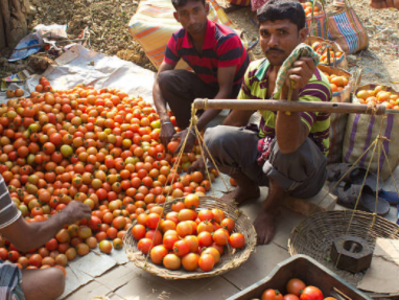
pixel 13 25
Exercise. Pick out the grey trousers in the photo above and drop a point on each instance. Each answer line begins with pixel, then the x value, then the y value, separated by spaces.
pixel 302 173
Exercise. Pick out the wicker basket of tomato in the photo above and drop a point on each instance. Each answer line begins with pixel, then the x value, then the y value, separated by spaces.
pixel 300 278
pixel 189 238
pixel 331 53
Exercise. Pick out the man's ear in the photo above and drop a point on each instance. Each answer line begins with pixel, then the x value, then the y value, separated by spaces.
pixel 207 8
pixel 175 14
pixel 303 34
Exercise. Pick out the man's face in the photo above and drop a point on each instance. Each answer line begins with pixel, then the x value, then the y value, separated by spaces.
pixel 193 16
pixel 278 39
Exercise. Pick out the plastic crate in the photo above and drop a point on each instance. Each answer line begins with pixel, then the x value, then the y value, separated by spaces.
pixel 306 269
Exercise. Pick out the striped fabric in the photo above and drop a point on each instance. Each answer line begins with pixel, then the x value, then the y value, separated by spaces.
pixel 362 130
pixel 10 282
pixel 319 26
pixel 9 213
pixel 153 24
pixel 346 29
pixel 302 50
pixel 222 48
pixel 255 87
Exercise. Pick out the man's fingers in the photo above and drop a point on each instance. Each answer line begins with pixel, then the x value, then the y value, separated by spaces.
pixel 298 81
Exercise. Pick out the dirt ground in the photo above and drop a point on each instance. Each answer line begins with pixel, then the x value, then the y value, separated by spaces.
pixel 108 21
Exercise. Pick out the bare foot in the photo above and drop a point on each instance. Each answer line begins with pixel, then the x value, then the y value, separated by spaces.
pixel 239 195
pixel 265 227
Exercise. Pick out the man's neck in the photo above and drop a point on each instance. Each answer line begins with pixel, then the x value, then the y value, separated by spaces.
pixel 274 70
pixel 198 39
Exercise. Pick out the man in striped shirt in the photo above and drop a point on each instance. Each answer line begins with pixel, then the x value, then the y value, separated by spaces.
pixel 215 54
pixel 288 153
pixel 45 284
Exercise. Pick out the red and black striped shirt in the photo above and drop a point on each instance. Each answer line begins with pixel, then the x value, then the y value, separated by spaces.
pixel 222 48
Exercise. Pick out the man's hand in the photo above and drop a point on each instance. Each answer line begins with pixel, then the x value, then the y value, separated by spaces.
pixel 167 132
pixel 301 73
pixel 198 165
pixel 76 211
pixel 182 136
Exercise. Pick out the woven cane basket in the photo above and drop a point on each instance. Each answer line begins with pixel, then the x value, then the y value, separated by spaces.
pixel 230 260
pixel 315 234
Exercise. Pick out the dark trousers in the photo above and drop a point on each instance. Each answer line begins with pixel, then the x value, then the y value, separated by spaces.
pixel 302 173
pixel 181 87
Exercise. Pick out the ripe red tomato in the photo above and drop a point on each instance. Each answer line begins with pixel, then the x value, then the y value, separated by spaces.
pixel 158 253
pixel 192 201
pixel 138 231
pixel 206 262
pixel 169 241
pixel 271 294
pixel 153 220
pixel 190 261
pixel 237 240
pixel 144 245
pixel 311 293
pixel 181 248
pixel 172 262
pixel 172 146
pixel 295 286
pixel 221 237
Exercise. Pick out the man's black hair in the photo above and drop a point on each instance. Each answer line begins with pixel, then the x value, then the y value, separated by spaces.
pixel 180 3
pixel 274 10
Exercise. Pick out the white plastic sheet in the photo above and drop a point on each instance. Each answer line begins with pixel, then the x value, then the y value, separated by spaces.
pixel 81 65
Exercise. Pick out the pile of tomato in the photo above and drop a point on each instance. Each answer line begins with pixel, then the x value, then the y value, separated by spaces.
pixel 186 237
pixel 317 46
pixel 98 147
pixel 307 6
pixel 296 290
pixel 337 82
pixel 379 95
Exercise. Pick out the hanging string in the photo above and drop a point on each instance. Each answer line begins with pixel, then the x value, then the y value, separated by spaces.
pixel 376 143
pixel 174 167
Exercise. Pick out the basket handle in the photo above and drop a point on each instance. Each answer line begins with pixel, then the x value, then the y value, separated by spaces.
pixel 313 18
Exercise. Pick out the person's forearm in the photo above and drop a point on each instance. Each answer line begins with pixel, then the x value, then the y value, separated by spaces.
pixel 39 233
pixel 160 103
pixel 210 114
pixel 206 117
pixel 290 131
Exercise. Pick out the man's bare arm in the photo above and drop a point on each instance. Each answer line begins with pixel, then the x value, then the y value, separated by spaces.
pixel 291 132
pixel 225 80
pixel 26 236
pixel 238 118
pixel 167 128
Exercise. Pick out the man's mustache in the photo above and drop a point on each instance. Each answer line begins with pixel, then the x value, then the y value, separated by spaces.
pixel 274 49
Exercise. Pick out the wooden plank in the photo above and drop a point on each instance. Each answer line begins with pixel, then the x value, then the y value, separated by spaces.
pixel 323 201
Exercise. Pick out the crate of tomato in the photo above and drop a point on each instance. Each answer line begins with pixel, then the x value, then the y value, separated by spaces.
pixel 300 277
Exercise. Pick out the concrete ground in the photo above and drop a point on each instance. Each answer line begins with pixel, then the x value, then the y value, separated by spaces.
pixel 130 283
pixel 125 281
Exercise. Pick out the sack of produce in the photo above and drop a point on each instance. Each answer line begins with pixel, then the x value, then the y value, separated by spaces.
pixel 331 54
pixel 316 22
pixel 341 86
pixel 153 25
pixel 362 130
pixel 346 29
